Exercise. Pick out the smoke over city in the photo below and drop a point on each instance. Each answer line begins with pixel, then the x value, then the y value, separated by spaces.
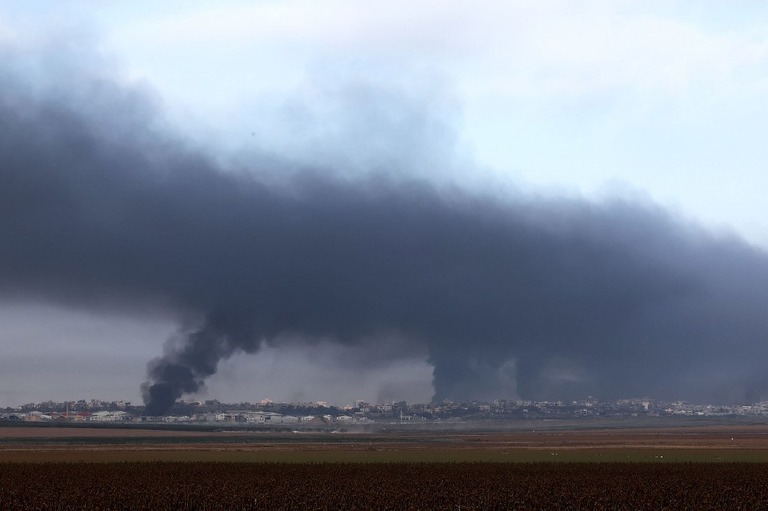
pixel 528 295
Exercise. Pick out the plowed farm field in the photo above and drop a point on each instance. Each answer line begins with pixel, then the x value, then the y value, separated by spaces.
pixel 383 486
pixel 721 443
pixel 709 467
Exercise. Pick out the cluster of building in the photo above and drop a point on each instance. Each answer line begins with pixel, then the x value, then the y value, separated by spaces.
pixel 321 414
pixel 37 416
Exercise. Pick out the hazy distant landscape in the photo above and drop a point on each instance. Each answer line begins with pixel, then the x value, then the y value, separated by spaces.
pixel 596 464
pixel 496 414
pixel 330 254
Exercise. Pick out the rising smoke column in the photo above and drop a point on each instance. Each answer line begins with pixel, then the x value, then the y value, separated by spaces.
pixel 542 297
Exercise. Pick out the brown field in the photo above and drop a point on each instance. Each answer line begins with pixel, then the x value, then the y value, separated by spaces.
pixel 383 486
pixel 719 443
pixel 696 467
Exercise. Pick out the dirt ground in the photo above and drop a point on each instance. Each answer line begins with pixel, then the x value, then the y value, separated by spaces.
pixel 737 442
pixel 706 437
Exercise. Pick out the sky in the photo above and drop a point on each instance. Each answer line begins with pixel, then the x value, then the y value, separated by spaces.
pixel 597 128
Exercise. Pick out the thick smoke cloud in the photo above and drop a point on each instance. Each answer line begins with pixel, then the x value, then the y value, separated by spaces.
pixel 531 296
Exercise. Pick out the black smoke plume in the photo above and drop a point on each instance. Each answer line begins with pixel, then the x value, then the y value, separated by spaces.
pixel 531 296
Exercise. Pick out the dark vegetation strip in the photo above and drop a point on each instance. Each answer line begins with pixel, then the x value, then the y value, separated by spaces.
pixel 149 440
pixel 409 486
pixel 218 439
pixel 157 426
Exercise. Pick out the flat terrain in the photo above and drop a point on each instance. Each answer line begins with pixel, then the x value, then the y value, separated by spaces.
pixel 715 443
pixel 383 486
pixel 547 466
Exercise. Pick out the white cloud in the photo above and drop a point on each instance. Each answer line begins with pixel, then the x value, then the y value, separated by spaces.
pixel 542 48
pixel 664 95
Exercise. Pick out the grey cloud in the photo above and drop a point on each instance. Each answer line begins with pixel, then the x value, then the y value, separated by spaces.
pixel 542 297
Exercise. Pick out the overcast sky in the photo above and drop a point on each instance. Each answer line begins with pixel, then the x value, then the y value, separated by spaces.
pixel 658 103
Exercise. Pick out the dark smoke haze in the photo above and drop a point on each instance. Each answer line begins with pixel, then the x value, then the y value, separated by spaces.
pixel 535 296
